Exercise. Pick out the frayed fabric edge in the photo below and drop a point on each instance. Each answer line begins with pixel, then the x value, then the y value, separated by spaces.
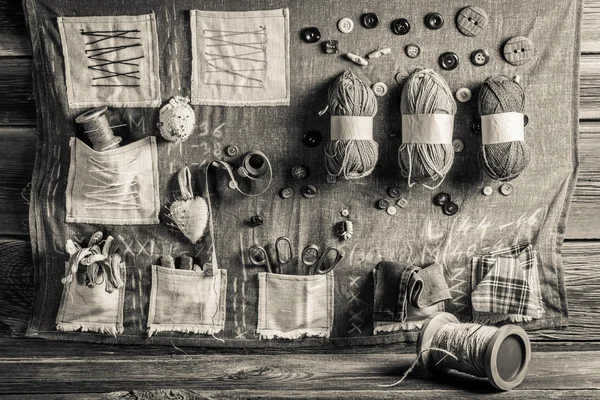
pixel 295 334
pixel 490 319
pixel 197 329
pixel 109 329
pixel 398 326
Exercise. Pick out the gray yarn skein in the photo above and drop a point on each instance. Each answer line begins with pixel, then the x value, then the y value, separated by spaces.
pixel 503 161
pixel 426 92
pixel 351 159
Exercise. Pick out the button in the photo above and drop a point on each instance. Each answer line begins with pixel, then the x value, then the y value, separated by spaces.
pixel 380 89
pixel 331 179
pixel 357 59
pixel 506 189
pixel 309 191
pixel 394 192
pixel 286 193
pixel 412 50
pixel 345 25
pixel 379 53
pixel 256 220
pixel 402 203
pixel 400 26
pixel 331 47
pixel 401 77
pixel 434 20
pixel 299 172
pixel 525 120
pixel 232 151
pixel 450 208
pixel 393 135
pixel 463 95
pixel 345 212
pixel 476 127
pixel 232 185
pixel 480 57
pixel 441 198
pixel 448 61
pixel 488 190
pixel 458 145
pixel 470 21
pixel 391 210
pixel 518 50
pixel 383 204
pixel 310 35
pixel 312 139
pixel 370 20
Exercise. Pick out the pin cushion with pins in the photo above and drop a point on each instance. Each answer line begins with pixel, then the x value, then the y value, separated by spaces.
pixel 98 130
pixel 176 119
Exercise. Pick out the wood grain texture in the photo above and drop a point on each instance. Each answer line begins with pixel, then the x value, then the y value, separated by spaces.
pixel 14 39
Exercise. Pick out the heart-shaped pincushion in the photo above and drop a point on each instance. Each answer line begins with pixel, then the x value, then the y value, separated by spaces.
pixel 191 217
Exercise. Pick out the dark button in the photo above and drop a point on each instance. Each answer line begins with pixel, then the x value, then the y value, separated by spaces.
pixel 480 57
pixel 256 220
pixel 450 208
pixel 448 61
pixel 312 139
pixel 476 127
pixel 310 35
pixel 286 193
pixel 309 191
pixel 383 204
pixel 394 135
pixel 370 20
pixel 331 47
pixel 434 20
pixel 525 120
pixel 441 198
pixel 400 26
pixel 231 150
pixel 394 192
pixel 299 172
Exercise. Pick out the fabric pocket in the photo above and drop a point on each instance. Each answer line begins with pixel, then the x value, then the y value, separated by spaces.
pixel 187 301
pixel 295 306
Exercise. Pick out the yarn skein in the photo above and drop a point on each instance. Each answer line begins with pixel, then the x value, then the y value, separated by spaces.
pixel 426 92
pixel 503 161
pixel 352 158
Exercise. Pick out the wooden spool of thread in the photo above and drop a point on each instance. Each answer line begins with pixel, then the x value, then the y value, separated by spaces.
pixel 501 355
pixel 506 159
pixel 352 153
pixel 428 110
pixel 98 130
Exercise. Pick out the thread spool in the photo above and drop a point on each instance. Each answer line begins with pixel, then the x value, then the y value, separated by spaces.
pixel 501 355
pixel 510 155
pixel 98 130
pixel 254 166
pixel 352 153
pixel 428 108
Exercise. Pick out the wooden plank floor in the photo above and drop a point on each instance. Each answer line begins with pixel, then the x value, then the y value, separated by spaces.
pixel 565 362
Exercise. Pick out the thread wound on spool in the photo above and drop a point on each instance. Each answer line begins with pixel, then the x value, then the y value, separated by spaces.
pixel 351 158
pixel 98 130
pixel 426 92
pixel 503 161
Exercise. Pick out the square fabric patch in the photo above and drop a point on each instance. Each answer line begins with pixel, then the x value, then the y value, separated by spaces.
pixel 187 301
pixel 240 58
pixel 116 187
pixel 111 61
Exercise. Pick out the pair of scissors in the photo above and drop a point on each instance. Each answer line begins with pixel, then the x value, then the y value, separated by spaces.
pixel 317 263
pixel 259 256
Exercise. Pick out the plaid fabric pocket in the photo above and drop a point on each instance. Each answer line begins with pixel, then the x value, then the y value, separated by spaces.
pixel 506 285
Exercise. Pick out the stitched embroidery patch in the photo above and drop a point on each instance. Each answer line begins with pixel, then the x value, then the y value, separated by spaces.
pixel 240 58
pixel 111 60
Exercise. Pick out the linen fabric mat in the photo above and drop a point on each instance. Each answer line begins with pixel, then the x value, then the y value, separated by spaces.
pixel 418 234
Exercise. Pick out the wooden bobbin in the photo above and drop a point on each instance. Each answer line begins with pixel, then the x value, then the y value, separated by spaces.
pixel 94 114
pixel 507 355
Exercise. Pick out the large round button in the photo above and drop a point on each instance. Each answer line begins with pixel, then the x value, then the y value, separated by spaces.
pixel 383 204
pixel 458 145
pixel 345 25
pixel 380 89
pixel 441 198
pixel 256 220
pixel 448 61
pixel 470 21
pixel 309 191
pixel 370 20
pixel 400 26
pixel 463 95
pixel 450 208
pixel 434 20
pixel 480 57
pixel 286 193
pixel 312 139
pixel 310 35
pixel 412 50
pixel 401 77
pixel 299 172
pixel 506 189
pixel 476 127
pixel 518 50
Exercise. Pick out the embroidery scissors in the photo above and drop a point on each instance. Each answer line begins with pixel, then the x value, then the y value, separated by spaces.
pixel 317 263
pixel 259 256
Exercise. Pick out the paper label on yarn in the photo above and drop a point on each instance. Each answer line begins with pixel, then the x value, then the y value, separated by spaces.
pixel 351 128
pixel 427 128
pixel 503 127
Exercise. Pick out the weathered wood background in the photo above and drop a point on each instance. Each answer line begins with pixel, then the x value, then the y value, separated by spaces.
pixel 565 363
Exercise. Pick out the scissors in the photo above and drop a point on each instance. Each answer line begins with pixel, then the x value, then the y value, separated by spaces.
pixel 259 256
pixel 317 263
